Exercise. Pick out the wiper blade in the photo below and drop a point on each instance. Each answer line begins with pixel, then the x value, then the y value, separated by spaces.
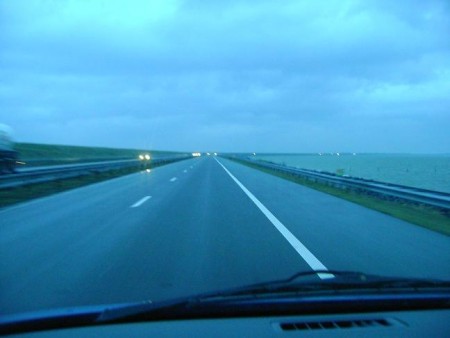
pixel 301 293
pixel 340 280
pixel 299 284
pixel 349 277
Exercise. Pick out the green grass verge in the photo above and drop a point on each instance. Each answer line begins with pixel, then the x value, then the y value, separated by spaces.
pixel 12 196
pixel 425 216
pixel 47 154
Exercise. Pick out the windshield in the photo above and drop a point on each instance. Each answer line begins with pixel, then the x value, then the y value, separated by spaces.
pixel 160 149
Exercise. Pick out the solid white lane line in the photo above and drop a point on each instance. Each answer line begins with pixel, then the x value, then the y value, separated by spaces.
pixel 173 179
pixel 140 202
pixel 307 255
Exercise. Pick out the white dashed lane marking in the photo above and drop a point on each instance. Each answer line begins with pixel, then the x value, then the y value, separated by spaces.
pixel 140 202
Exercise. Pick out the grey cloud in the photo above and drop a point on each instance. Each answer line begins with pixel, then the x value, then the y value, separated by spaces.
pixel 229 69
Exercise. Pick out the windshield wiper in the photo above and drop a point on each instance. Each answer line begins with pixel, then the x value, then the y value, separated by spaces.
pixel 302 293
pixel 340 280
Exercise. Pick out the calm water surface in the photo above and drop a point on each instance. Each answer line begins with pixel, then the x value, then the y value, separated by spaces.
pixel 423 171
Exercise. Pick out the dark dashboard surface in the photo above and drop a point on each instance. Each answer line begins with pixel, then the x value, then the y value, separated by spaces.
pixel 432 323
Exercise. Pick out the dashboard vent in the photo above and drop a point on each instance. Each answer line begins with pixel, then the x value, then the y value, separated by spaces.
pixel 338 324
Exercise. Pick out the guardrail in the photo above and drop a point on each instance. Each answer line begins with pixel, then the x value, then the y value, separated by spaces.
pixel 60 172
pixel 45 161
pixel 436 199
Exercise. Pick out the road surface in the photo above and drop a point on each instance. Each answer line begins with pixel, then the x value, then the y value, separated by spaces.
pixel 195 226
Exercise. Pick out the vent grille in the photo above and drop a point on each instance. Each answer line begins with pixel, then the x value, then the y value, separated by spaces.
pixel 338 324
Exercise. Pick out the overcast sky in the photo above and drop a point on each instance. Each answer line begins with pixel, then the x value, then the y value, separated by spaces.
pixel 263 76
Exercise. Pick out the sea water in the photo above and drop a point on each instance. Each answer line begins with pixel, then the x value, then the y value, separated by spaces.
pixel 416 170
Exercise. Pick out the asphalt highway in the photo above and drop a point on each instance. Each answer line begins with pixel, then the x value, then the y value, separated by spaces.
pixel 195 226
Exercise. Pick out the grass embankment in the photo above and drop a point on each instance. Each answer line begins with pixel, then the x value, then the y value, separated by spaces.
pixel 12 196
pixel 425 216
pixel 49 154
pixel 44 154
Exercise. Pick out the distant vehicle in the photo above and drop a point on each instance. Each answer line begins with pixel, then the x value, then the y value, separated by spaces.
pixel 8 156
